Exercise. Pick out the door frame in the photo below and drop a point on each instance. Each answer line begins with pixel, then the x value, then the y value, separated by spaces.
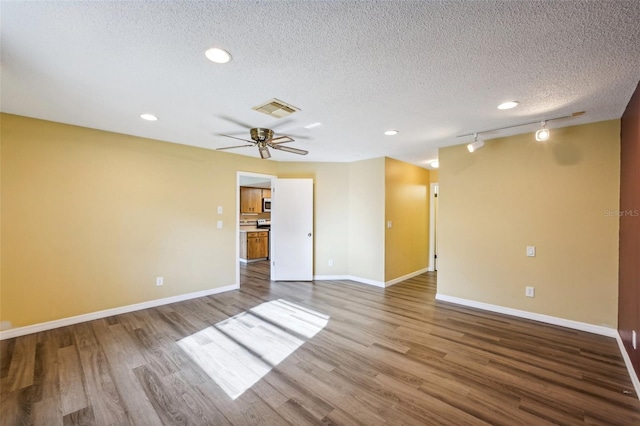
pixel 239 176
pixel 433 212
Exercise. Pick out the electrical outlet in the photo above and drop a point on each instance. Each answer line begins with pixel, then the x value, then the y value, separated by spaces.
pixel 389 224
pixel 330 262
pixel 530 291
pixel 159 281
pixel 219 224
pixel 531 251
pixel 634 339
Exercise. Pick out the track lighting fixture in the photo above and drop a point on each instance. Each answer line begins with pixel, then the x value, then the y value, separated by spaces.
pixel 476 144
pixel 543 134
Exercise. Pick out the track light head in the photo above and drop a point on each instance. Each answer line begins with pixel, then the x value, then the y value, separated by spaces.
pixel 543 134
pixel 476 144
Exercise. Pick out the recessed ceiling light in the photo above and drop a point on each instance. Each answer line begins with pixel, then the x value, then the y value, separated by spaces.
pixel 391 132
pixel 219 56
pixel 508 105
pixel 435 164
pixel 312 125
pixel 149 117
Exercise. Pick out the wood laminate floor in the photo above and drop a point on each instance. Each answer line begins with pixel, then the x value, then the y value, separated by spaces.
pixel 328 352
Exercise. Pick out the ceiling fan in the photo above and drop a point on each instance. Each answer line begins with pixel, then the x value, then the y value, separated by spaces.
pixel 264 139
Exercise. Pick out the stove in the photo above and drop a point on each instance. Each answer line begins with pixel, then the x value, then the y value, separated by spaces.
pixel 263 224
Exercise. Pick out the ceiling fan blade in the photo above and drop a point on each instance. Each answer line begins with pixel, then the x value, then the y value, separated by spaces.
pixel 231 147
pixel 234 121
pixel 264 152
pixel 283 123
pixel 281 139
pixel 291 150
pixel 298 136
pixel 233 137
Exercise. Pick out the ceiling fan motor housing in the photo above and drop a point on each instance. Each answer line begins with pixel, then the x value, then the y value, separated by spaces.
pixel 259 134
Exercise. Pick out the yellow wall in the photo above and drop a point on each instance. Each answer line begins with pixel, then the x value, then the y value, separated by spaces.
pixel 366 219
pixel 516 192
pixel 433 176
pixel 331 212
pixel 90 218
pixel 407 207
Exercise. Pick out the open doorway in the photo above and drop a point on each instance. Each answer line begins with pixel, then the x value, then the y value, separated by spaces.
pixel 253 242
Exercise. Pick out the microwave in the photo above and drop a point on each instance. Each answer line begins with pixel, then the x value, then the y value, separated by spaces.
pixel 266 205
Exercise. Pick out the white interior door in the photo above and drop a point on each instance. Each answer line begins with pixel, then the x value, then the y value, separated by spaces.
pixel 292 230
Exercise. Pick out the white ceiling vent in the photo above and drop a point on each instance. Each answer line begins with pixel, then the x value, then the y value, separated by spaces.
pixel 276 108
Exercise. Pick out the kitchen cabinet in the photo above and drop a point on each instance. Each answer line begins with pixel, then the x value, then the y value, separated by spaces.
pixel 254 245
pixel 250 200
pixel 266 193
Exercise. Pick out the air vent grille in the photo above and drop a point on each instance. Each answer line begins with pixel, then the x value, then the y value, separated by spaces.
pixel 276 108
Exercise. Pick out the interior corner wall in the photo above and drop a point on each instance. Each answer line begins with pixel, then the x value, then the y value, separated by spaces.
pixel 629 274
pixel 433 176
pixel 366 219
pixel 407 208
pixel 560 196
pixel 91 218
pixel 331 212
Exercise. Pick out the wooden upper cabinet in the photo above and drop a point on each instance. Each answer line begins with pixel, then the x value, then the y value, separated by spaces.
pixel 266 193
pixel 250 200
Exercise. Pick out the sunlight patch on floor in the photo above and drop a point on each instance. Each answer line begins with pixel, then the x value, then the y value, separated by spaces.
pixel 239 351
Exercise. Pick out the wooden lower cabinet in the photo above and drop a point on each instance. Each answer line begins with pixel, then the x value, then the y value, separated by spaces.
pixel 254 245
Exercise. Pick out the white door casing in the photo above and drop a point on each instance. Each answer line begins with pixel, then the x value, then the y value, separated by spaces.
pixel 292 230
pixel 433 227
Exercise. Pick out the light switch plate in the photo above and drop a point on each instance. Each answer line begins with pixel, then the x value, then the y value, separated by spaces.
pixel 531 251
pixel 219 224
pixel 219 209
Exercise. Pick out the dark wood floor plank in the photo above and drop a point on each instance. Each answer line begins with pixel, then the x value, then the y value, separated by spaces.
pixel 392 356
pixel 199 409
pixel 123 356
pixel 6 351
pixel 21 369
pixel 82 417
pixel 103 396
pixel 72 392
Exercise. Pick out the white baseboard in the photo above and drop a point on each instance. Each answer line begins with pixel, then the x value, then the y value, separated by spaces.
pixel 405 277
pixel 49 325
pixel 576 325
pixel 367 280
pixel 349 278
pixel 330 277
pixel 627 362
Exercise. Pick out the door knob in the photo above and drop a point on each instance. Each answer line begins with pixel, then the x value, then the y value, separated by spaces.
pixel 309 234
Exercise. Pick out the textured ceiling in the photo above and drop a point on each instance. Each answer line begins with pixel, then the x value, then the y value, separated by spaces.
pixel 432 70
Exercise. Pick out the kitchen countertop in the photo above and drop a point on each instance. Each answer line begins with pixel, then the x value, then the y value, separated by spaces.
pixel 250 228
